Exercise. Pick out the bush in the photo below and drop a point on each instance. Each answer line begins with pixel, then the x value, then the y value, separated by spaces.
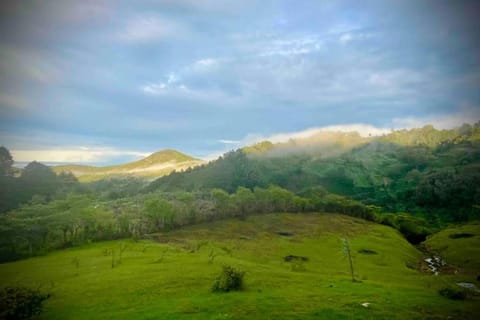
pixel 230 279
pixel 453 293
pixel 21 303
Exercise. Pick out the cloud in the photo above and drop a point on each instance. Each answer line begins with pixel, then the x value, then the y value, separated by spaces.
pixel 347 37
pixel 163 88
pixel 229 141
pixel 13 101
pixel 149 28
pixel 364 130
pixel 291 47
pixel 28 65
pixel 203 65
pixel 75 155
pixel 466 114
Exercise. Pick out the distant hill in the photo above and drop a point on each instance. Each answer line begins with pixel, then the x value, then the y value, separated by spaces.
pixel 155 165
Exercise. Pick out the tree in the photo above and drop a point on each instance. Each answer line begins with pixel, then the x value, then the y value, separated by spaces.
pixel 6 162
pixel 221 201
pixel 347 252
pixel 38 178
pixel 160 213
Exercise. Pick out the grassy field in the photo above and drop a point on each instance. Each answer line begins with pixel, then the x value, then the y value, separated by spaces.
pixel 171 275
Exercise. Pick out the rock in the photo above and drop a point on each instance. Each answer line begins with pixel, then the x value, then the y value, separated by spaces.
pixel 468 285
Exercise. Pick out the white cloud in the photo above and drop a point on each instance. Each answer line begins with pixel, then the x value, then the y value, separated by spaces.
pixel 74 155
pixel 205 63
pixel 155 88
pixel 291 47
pixel 347 37
pixel 172 78
pixel 145 29
pixel 229 141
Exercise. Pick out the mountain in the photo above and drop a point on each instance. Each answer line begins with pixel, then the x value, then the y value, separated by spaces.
pixel 155 165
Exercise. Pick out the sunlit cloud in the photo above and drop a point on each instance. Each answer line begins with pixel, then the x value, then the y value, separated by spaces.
pixel 229 141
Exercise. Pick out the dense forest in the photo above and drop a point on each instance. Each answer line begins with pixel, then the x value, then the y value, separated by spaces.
pixel 413 180
pixel 432 173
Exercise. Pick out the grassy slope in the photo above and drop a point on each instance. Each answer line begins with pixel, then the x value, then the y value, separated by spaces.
pixel 463 253
pixel 155 165
pixel 178 287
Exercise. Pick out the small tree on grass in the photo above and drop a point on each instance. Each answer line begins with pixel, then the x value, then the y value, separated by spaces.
pixel 76 262
pixel 348 254
pixel 230 279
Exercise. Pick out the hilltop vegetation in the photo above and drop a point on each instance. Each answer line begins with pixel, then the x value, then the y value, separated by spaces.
pixel 433 173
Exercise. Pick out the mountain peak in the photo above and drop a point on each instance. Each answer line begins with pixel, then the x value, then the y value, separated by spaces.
pixel 168 155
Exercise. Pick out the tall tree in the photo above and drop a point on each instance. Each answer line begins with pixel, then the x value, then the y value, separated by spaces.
pixel 6 162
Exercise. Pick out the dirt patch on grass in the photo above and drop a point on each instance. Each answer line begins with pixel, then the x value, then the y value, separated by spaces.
pixel 291 258
pixel 367 251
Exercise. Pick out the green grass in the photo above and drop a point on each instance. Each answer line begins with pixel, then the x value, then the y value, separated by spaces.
pixel 462 252
pixel 170 276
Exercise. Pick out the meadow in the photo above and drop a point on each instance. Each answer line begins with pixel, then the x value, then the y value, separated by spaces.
pixel 170 274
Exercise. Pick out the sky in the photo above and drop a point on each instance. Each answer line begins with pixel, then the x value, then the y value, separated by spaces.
pixel 106 82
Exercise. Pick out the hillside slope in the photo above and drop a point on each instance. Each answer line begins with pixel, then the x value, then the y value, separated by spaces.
pixel 170 276
pixel 155 165
pixel 420 170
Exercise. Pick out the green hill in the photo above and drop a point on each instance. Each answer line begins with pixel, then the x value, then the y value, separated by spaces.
pixel 155 165
pixel 171 275
pixel 428 171
pixel 459 246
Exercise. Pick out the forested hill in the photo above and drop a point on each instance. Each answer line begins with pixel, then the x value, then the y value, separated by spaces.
pixel 153 166
pixel 426 171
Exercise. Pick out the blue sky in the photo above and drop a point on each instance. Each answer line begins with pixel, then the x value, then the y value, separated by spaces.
pixel 111 81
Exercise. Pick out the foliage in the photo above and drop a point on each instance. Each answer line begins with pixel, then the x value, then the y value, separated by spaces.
pixel 36 179
pixel 21 303
pixel 230 279
pixel 6 162
pixel 432 173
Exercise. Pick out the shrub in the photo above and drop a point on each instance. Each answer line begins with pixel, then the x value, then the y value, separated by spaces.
pixel 230 279
pixel 453 293
pixel 21 303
